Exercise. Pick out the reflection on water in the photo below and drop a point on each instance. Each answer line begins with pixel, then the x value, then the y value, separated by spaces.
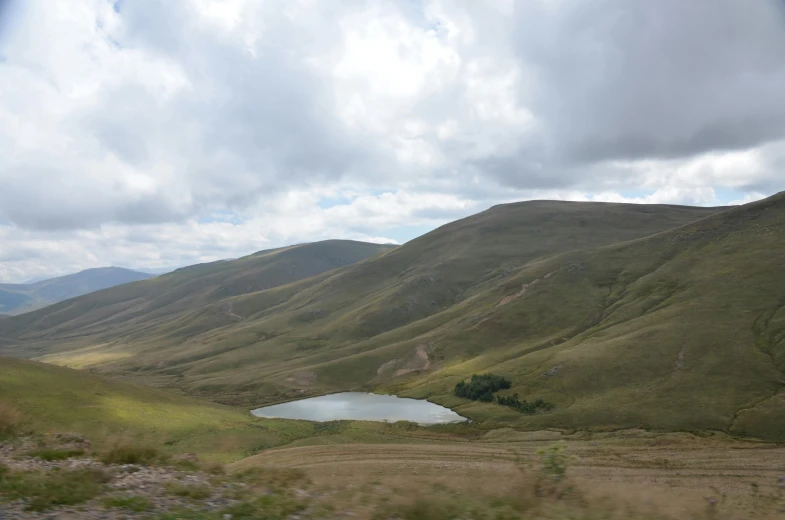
pixel 361 406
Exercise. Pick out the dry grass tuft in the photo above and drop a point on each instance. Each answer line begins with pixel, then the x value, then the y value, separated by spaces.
pixel 270 477
pixel 9 419
pixel 129 454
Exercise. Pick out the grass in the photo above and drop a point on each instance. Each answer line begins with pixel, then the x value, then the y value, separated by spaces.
pixel 271 477
pixel 189 491
pixel 129 423
pixel 130 503
pixel 53 454
pixel 503 474
pixel 452 508
pixel 9 420
pixel 44 491
pixel 267 507
pixel 195 286
pixel 186 514
pixel 514 475
pixel 132 455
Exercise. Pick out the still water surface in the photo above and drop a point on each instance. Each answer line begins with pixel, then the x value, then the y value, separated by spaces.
pixel 361 406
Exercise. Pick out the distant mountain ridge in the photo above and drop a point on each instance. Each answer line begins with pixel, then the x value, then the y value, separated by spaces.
pixel 25 297
pixel 203 284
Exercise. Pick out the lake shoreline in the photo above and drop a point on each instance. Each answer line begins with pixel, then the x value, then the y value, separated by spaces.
pixel 361 406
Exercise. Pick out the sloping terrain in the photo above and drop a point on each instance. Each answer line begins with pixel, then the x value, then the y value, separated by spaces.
pixel 680 330
pixel 12 301
pixel 40 398
pixel 366 325
pixel 56 399
pixel 19 298
pixel 141 305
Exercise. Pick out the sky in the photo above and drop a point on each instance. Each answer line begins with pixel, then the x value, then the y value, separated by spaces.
pixel 154 133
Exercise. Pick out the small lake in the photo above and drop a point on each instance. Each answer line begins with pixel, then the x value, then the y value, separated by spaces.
pixel 360 406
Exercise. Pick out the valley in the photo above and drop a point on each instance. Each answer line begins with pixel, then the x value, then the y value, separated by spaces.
pixel 622 316
pixel 652 336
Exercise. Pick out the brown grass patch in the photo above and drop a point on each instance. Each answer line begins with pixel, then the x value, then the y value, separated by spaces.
pixel 130 454
pixel 677 477
pixel 9 419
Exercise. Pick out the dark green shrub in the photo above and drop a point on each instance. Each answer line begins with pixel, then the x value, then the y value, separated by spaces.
pixel 524 406
pixel 481 387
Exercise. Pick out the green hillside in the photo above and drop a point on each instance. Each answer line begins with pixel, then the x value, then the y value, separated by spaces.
pixel 367 325
pixel 617 314
pixel 45 398
pixel 55 399
pixel 172 297
pixel 680 330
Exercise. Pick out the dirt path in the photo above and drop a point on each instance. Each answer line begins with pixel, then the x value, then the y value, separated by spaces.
pixel 227 310
pixel 421 354
pixel 419 362
pixel 525 287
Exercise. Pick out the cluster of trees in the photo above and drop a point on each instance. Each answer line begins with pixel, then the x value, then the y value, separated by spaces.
pixel 524 406
pixel 481 387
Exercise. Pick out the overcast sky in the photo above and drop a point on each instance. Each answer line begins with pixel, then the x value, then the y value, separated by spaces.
pixel 147 133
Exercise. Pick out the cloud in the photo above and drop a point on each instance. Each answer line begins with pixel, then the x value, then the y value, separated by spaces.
pixel 625 80
pixel 163 133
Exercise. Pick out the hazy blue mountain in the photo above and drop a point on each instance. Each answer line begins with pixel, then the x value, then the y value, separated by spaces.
pixel 24 297
pixel 156 270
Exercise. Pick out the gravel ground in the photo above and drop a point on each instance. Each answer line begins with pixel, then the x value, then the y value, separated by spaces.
pixel 148 482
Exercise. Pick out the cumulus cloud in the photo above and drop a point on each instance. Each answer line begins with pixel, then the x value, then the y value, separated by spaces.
pixel 147 133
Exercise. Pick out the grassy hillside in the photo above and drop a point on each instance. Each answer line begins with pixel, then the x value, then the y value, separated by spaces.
pixel 52 398
pixel 239 339
pixel 680 330
pixel 140 305
pixel 19 298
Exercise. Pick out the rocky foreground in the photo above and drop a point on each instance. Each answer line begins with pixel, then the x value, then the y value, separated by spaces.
pixel 61 477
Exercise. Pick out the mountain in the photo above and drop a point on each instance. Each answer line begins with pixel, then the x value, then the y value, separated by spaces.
pixel 416 319
pixel 35 279
pixel 203 288
pixel 157 270
pixel 19 298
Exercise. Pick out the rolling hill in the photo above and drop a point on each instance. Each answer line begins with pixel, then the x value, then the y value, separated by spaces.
pixel 164 299
pixel 57 399
pixel 44 398
pixel 20 298
pixel 423 316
